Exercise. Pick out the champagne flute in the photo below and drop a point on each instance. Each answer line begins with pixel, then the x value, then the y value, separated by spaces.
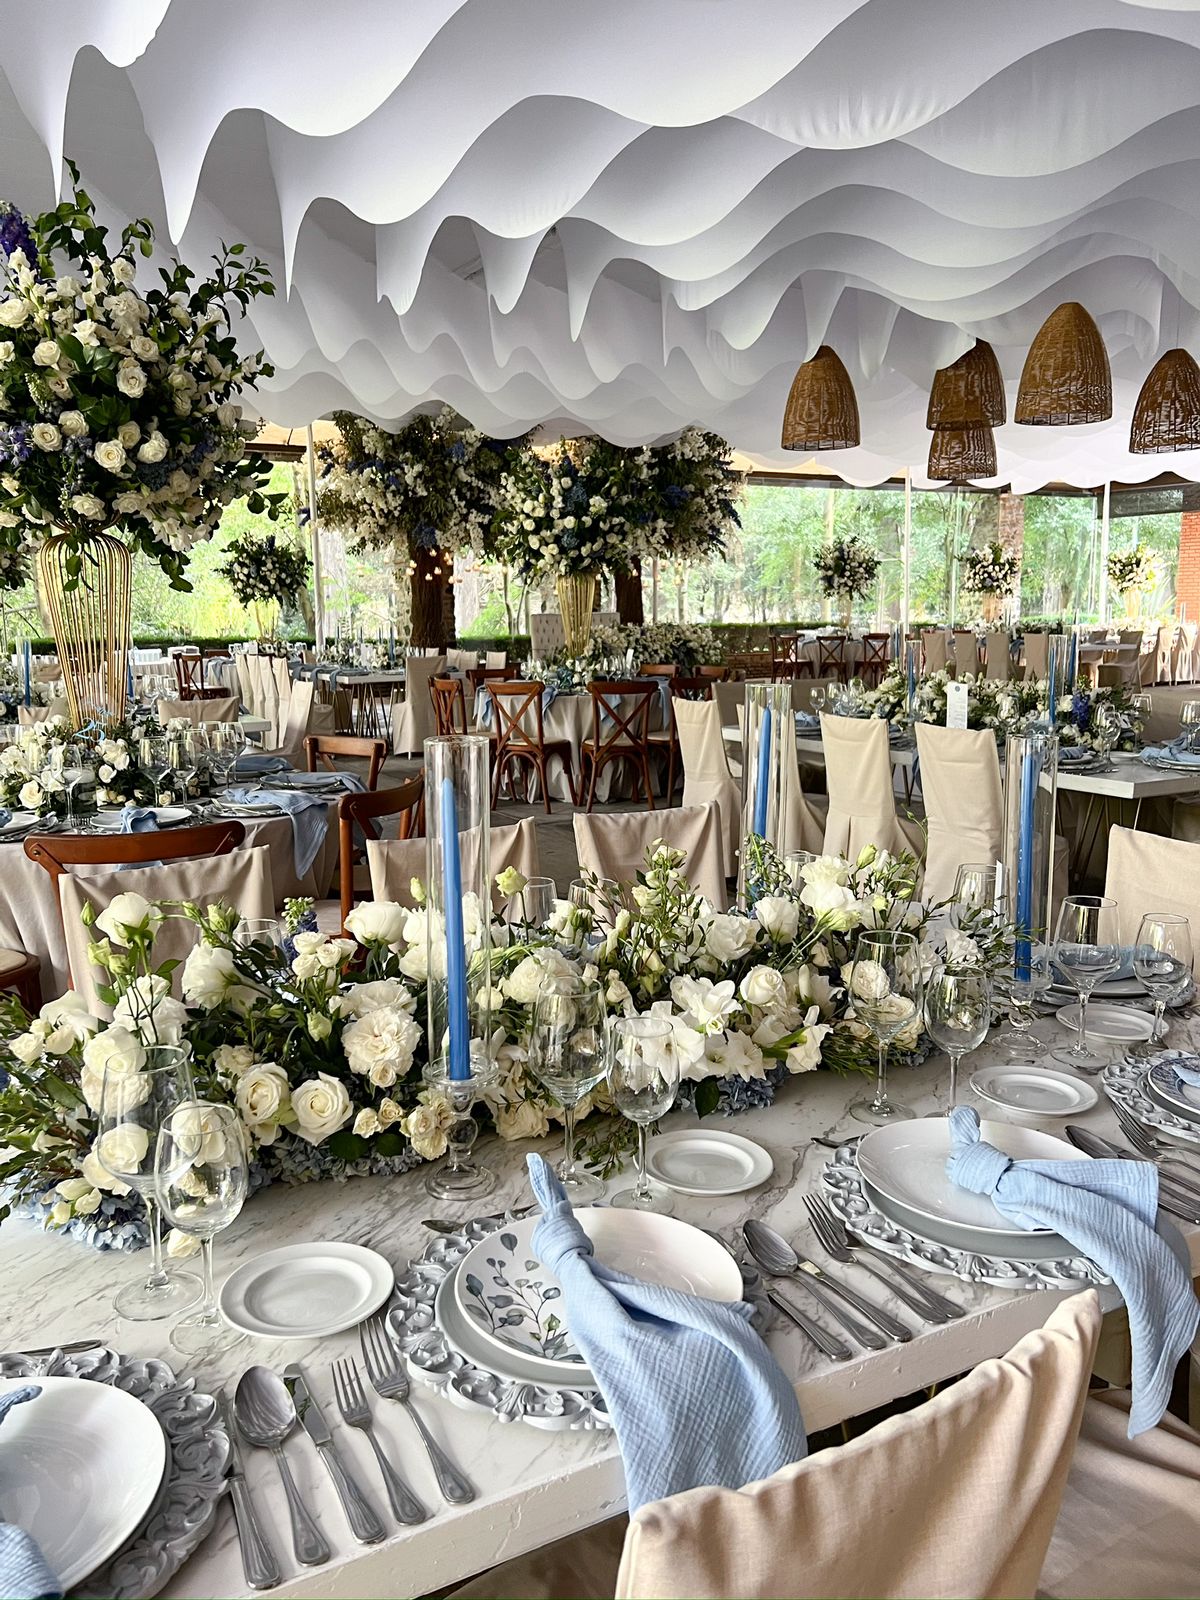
pixel 958 1010
pixel 201 1171
pixel 134 1104
pixel 642 1068
pixel 1086 950
pixel 885 990
pixel 1162 959
pixel 566 1056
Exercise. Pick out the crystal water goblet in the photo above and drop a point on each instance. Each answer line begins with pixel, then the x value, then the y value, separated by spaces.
pixel 642 1070
pixel 1087 950
pixel 958 1012
pixel 1162 959
pixel 566 1056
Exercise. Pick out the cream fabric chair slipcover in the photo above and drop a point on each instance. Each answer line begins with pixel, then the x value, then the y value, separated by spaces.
pixel 615 846
pixel 1037 655
pixel 966 652
pixel 305 715
pixel 495 658
pixel 412 718
pixel 1149 873
pixel 241 879
pixel 957 1497
pixel 862 805
pixel 964 803
pixel 198 711
pixel 803 826
pixel 394 863
pixel 1163 654
pixel 935 650
pixel 462 660
pixel 27 716
pixel 706 774
pixel 999 656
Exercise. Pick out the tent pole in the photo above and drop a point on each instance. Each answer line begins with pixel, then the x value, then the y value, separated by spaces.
pixel 315 530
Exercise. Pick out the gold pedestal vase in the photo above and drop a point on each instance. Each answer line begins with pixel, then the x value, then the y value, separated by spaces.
pixel 576 595
pixel 85 585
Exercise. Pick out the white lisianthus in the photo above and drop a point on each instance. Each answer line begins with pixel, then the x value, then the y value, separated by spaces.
pixel 765 988
pixel 72 1189
pixel 110 454
pixel 59 1214
pixel 825 869
pixel 364 997
pixel 321 1105
pixel 73 423
pixel 263 1099
pixel 510 881
pixel 831 903
pixel 961 949
pixel 45 353
pixel 209 973
pixel 778 917
pixel 812 988
pixel 366 1123
pixel 128 915
pixel 704 1005
pixel 148 1009
pixel 46 436
pixel 377 922
pixel 381 1044
pixel 88 1203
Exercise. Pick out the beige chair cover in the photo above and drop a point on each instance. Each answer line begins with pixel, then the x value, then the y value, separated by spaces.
pixel 729 696
pixel 198 711
pixel 935 650
pixel 462 660
pixel 1037 655
pixel 862 806
pixel 706 774
pixel 27 716
pixel 241 879
pixel 1166 648
pixel 1149 873
pixel 957 1497
pixel 966 652
pixel 964 803
pixel 615 846
pixel 394 863
pixel 495 658
pixel 1130 1520
pixel 412 718
pixel 305 715
pixel 803 823
pixel 999 656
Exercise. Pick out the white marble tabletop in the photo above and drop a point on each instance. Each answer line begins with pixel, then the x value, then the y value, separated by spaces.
pixel 1130 779
pixel 533 1486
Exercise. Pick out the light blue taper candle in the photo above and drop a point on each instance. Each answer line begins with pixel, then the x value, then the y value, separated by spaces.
pixel 762 774
pixel 458 1050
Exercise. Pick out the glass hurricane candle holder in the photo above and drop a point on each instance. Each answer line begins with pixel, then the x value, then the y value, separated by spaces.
pixel 459 1177
pixel 768 745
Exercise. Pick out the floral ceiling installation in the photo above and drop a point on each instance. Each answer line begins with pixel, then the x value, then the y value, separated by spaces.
pixel 650 221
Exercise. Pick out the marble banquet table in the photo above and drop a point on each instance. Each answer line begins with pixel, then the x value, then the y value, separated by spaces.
pixel 533 1486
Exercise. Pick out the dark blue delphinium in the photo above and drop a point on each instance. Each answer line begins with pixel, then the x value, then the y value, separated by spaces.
pixel 15 234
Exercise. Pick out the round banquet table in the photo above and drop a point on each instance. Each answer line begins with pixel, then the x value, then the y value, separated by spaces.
pixel 29 917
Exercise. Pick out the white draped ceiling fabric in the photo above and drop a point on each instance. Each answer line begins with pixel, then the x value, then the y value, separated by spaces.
pixel 626 216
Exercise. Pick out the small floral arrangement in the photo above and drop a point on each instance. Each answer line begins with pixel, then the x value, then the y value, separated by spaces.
pixel 1011 707
pixel 992 570
pixel 31 767
pixel 120 406
pixel 620 649
pixel 1133 572
pixel 347 652
pixel 846 567
pixel 264 568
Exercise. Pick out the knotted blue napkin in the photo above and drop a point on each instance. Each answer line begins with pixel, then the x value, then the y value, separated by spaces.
pixel 1107 1211
pixel 24 1574
pixel 695 1395
pixel 256 766
pixel 307 811
pixel 138 819
pixel 1174 750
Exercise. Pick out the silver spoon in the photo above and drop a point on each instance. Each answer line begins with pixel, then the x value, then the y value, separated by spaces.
pixel 777 1258
pixel 266 1416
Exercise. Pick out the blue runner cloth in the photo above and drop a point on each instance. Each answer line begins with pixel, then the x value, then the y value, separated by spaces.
pixel 1107 1210
pixel 307 811
pixel 24 1574
pixel 695 1395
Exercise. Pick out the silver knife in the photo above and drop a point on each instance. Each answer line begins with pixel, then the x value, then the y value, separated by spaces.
pixel 1173 1194
pixel 361 1515
pixel 67 1349
pixel 258 1559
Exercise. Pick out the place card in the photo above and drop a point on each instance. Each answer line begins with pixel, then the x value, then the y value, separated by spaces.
pixel 957 700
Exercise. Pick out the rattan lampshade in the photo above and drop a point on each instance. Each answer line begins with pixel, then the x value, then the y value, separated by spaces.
pixel 1167 413
pixel 821 411
pixel 1066 377
pixel 956 454
pixel 969 392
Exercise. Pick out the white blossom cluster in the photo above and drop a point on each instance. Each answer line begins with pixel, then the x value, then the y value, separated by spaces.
pixel 846 567
pixel 992 570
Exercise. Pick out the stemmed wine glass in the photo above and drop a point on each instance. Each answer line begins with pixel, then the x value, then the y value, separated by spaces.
pixel 536 901
pixel 1189 721
pixel 1162 959
pixel 885 990
pixel 977 891
pixel 201 1171
pixel 1106 730
pixel 567 1058
pixel 1087 950
pixel 958 1011
pixel 1140 706
pixel 154 761
pixel 134 1104
pixel 817 696
pixel 69 764
pixel 642 1068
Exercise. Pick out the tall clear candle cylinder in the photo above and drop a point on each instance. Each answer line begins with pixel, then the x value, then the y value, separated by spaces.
pixel 768 745
pixel 1031 781
pixel 458 885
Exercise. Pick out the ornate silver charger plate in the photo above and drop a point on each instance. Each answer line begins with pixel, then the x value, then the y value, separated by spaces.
pixel 197 1456
pixel 1123 1083
pixel 844 1186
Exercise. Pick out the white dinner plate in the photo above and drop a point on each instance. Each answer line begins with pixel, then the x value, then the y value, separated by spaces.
pixel 165 816
pixel 907 1162
pixel 516 1303
pixel 705 1161
pixel 1033 1091
pixel 305 1291
pixel 1117 1024
pixel 466 1338
pixel 19 820
pixel 80 1466
pixel 1165 1089
pixel 1129 988
pixel 1003 1246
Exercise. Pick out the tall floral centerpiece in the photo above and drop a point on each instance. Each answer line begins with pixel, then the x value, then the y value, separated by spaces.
pixel 118 416
pixel 846 569
pixel 991 573
pixel 1133 574
pixel 422 492
pixel 264 572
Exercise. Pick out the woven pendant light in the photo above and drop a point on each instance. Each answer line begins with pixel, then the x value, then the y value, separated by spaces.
pixel 821 411
pixel 956 454
pixel 969 392
pixel 1066 377
pixel 1167 413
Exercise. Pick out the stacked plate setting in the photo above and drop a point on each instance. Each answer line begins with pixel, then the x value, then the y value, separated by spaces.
pixel 1165 1088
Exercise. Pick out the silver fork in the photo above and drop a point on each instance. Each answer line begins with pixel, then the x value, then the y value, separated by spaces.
pixel 352 1403
pixel 1148 1144
pixel 835 1241
pixel 389 1379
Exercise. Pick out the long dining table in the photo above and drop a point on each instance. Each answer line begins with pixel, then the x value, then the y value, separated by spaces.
pixel 533 1486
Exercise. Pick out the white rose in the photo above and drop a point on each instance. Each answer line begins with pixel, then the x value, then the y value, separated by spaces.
pixel 321 1106
pixel 181 1245
pixel 131 380
pixel 154 449
pixel 30 796
pixel 209 974
pixel 366 1123
pixel 72 1188
pixel 100 1176
pixel 128 433
pixel 88 506
pixel 110 454
pixel 45 353
pixel 377 922
pixel 524 983
pixel 72 423
pixel 262 1098
pixel 126 915
pixel 825 869
pixel 123 1149
pixel 123 270
pixel 231 1060
pixel 728 938
pixel 46 436
pixel 59 1214
pixel 364 997
pixel 425 1130
pixel 144 349
pixel 868 980
pixel 7 351
pixel 88 1203
pixel 763 986
pixel 383 1037
pixel 778 917
pixel 13 313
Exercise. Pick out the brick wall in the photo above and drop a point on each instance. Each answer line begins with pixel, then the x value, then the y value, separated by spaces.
pixel 1187 584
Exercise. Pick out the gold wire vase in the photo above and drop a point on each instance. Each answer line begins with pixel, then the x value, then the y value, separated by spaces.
pixel 576 595
pixel 91 621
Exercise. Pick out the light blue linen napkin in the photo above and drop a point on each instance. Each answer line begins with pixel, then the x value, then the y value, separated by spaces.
pixel 257 766
pixel 1174 750
pixel 695 1395
pixel 138 819
pixel 307 811
pixel 1069 753
pixel 5 817
pixel 1107 1210
pixel 24 1574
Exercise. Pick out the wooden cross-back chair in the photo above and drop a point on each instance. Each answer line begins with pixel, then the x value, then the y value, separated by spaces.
pixel 785 656
pixel 189 675
pixel 831 656
pixel 628 737
pixel 874 657
pixel 323 747
pixel 449 705
pixel 521 743
pixel 57 852
pixel 361 814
